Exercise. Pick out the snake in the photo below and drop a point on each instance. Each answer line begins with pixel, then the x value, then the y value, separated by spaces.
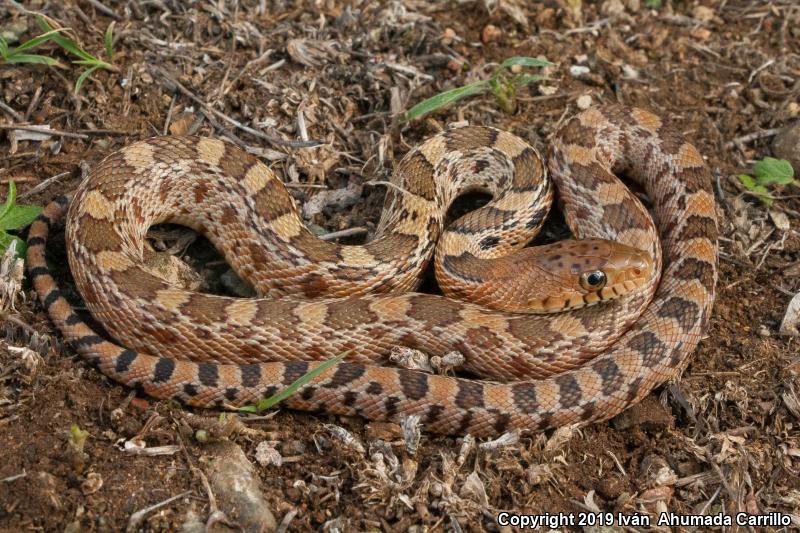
pixel 624 304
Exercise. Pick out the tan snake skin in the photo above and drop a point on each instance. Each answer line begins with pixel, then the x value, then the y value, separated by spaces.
pixel 578 366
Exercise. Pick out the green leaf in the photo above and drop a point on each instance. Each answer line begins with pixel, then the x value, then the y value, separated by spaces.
pixel 3 48
pixel 525 62
pixel 12 197
pixel 756 188
pixel 19 216
pixel 64 42
pixel 94 63
pixel 5 244
pixel 108 39
pixel 36 41
pixel 85 74
pixel 445 98
pixel 267 403
pixel 33 58
pixel 747 181
pixel 770 170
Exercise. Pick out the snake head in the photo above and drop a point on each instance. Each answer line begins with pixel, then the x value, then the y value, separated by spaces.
pixel 586 272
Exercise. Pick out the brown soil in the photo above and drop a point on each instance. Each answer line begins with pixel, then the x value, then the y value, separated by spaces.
pixel 722 439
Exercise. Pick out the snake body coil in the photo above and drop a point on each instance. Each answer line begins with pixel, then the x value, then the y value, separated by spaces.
pixel 319 299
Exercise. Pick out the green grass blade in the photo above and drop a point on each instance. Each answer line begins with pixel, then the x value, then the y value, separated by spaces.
pixel 10 199
pixel 33 58
pixel 36 41
pixel 445 98
pixel 67 44
pixel 267 403
pixel 82 78
pixel 3 48
pixel 525 62
pixel 99 63
pixel 108 39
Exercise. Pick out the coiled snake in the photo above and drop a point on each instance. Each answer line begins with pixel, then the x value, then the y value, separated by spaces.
pixel 318 299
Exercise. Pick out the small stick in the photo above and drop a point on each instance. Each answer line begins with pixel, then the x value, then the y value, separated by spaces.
pixel 39 129
pixel 138 516
pixel 104 10
pixel 43 185
pixel 8 109
pixel 169 115
pixel 261 135
pixel 349 232
pixel 751 137
pixel 33 104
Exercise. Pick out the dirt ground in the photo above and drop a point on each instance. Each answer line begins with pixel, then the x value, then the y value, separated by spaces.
pixel 723 439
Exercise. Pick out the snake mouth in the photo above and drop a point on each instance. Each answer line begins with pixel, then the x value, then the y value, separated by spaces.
pixel 559 304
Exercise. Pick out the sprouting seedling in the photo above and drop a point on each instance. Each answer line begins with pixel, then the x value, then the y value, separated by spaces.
pixel 15 217
pixel 281 395
pixel 504 84
pixel 21 53
pixel 77 438
pixel 768 171
pixel 108 40
pixel 86 59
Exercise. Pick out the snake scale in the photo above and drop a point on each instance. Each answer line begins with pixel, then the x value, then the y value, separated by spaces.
pixel 318 299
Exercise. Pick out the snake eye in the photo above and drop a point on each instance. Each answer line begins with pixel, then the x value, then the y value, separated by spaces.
pixel 594 280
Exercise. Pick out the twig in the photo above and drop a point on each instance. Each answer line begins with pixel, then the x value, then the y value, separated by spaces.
pixel 43 185
pixel 138 516
pixel 261 135
pixel 104 10
pixel 349 232
pixel 25 474
pixel 759 69
pixel 32 105
pixel 8 109
pixel 18 322
pixel 751 137
pixel 169 115
pixel 287 519
pixel 46 131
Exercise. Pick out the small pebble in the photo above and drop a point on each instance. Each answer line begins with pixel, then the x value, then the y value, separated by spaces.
pixel 448 36
pixel 584 102
pixel 612 8
pixel 701 34
pixel 609 487
pixel 629 72
pixel 490 34
pixel 703 13
pixel 576 71
pixel 763 331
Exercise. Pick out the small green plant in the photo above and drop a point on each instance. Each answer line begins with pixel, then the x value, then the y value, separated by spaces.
pixel 77 438
pixel 768 171
pixel 15 217
pixel 504 84
pixel 652 4
pixel 279 396
pixel 108 40
pixel 86 59
pixel 21 53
